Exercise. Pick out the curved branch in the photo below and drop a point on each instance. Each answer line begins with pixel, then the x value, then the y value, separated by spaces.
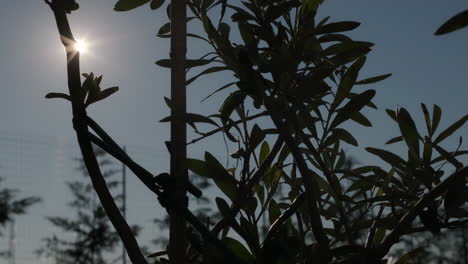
pixel 79 122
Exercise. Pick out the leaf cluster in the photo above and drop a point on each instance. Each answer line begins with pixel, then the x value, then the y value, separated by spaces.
pixel 304 75
pixel 90 91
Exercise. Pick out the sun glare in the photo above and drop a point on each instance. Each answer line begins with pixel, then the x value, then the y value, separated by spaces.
pixel 81 46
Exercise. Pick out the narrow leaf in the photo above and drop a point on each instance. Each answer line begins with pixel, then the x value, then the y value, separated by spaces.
pixel 222 178
pixel 354 105
pixel 449 131
pixel 165 63
pixel 360 119
pixel 408 131
pixel 155 4
pixel 207 71
pixel 394 140
pixel 436 115
pixel 337 27
pixel 125 5
pixel 58 95
pixel 388 157
pixel 264 151
pixel 373 79
pixel 166 28
pixel 230 104
pixel 457 22
pixel 239 250
pixel 198 167
pixel 427 118
pixel 348 81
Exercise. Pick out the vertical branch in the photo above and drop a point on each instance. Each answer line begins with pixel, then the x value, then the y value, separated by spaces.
pixel 311 186
pixel 178 128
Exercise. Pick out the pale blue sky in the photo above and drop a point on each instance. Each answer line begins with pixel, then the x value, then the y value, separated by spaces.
pixel 36 136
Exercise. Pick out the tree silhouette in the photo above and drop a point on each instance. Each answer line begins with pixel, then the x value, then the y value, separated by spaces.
pixel 87 237
pixel 12 206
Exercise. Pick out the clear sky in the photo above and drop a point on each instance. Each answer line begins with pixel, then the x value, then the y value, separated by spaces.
pixel 37 143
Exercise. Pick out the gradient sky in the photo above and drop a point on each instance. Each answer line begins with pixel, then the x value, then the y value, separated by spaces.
pixel 37 143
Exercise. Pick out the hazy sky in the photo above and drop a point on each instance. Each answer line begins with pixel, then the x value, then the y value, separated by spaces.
pixel 37 143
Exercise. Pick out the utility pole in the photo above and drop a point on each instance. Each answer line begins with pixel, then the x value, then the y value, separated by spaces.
pixel 12 249
pixel 465 249
pixel 178 149
pixel 124 203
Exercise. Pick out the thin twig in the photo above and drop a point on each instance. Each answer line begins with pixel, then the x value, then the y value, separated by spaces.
pixel 229 125
pixel 249 188
pixel 311 186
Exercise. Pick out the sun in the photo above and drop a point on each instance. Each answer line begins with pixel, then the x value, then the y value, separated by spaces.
pixel 82 46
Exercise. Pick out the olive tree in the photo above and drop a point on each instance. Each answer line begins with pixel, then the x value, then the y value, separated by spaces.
pixel 296 84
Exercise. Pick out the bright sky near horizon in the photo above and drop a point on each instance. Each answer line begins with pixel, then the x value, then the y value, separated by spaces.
pixel 37 143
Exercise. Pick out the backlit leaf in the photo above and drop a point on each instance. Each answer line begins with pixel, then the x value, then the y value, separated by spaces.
pixel 231 103
pixel 264 151
pixel 354 105
pixel 394 140
pixel 336 27
pixel 58 95
pixel 408 131
pixel 155 4
pixel 436 115
pixel 449 131
pixel 388 157
pixel 373 79
pixel 427 118
pixel 348 81
pixel 125 5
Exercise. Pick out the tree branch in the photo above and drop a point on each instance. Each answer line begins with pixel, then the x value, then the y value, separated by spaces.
pixel 229 125
pixel 311 186
pixel 79 121
pixel 405 223
pixel 238 204
pixel 177 222
pixel 109 145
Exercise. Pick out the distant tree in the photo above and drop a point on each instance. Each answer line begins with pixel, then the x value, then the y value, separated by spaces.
pixel 87 237
pixel 447 247
pixel 11 206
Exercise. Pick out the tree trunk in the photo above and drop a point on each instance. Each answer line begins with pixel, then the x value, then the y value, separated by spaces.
pixel 178 150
